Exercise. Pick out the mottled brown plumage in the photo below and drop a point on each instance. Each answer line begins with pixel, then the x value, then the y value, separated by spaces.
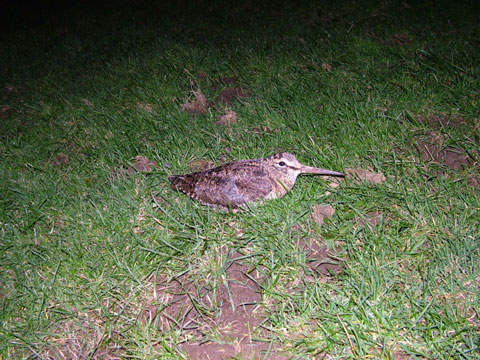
pixel 231 185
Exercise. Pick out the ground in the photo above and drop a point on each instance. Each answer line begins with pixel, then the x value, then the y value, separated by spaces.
pixel 101 102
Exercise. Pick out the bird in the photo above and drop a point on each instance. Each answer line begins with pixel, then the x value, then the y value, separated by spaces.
pixel 232 185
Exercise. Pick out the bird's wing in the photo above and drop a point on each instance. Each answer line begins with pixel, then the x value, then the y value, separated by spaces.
pixel 225 191
pixel 217 191
pixel 253 189
pixel 232 192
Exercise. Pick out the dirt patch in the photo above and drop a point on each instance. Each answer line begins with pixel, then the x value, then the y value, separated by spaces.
pixel 229 118
pixel 144 107
pixel 400 355
pixel 320 259
pixel 264 130
pixel 373 217
pixel 370 218
pixel 432 148
pixel 363 175
pixel 229 95
pixel 198 105
pixel 5 112
pixel 398 40
pixel 200 165
pixel 433 145
pixel 223 321
pixel 228 80
pixel 60 160
pixel 474 182
pixel 320 212
pixel 438 121
pixel 140 164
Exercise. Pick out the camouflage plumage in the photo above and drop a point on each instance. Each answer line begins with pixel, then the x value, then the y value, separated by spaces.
pixel 231 185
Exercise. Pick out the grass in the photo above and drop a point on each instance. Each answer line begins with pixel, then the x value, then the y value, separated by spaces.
pixel 84 247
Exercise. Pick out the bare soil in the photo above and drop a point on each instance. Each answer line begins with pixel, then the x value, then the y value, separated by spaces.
pixel 224 322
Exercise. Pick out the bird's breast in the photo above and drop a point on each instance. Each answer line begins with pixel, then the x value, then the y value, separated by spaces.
pixel 280 188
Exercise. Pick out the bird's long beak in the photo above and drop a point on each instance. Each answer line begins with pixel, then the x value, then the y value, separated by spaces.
pixel 313 170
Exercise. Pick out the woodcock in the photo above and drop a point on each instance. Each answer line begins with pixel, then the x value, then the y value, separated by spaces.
pixel 231 185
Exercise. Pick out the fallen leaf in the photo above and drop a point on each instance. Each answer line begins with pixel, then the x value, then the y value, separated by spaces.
pixel 143 164
pixel 229 118
pixel 365 175
pixel 198 106
pixel 320 212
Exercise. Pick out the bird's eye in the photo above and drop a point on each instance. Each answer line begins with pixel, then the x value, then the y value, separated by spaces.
pixel 281 163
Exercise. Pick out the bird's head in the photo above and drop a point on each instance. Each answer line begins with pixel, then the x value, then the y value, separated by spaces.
pixel 288 165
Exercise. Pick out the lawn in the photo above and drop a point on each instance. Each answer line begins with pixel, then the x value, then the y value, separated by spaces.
pixel 101 259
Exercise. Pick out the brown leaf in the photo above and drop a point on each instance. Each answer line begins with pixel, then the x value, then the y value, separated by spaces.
pixel 229 118
pixel 365 175
pixel 320 212
pixel 143 164
pixel 198 106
